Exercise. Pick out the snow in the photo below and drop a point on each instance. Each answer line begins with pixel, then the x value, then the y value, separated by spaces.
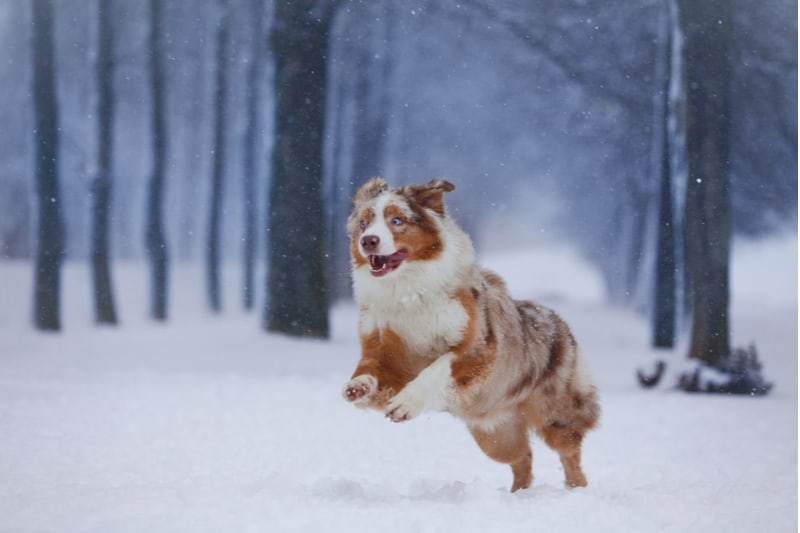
pixel 210 424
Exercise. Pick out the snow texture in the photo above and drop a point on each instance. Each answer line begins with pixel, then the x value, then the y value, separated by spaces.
pixel 210 424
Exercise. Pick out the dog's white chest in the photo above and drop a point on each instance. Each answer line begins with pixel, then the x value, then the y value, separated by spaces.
pixel 428 324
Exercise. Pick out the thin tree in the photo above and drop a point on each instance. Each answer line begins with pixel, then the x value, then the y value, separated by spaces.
pixel 155 239
pixel 665 276
pixel 50 242
pixel 706 27
pixel 104 309
pixel 218 163
pixel 252 144
pixel 297 292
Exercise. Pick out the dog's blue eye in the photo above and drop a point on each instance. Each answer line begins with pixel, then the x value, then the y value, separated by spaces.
pixel 363 224
pixel 397 221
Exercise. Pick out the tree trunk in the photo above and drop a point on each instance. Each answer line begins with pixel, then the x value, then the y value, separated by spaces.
pixel 218 165
pixel 297 295
pixel 155 239
pixel 252 143
pixel 707 28
pixel 104 309
pixel 50 251
pixel 665 284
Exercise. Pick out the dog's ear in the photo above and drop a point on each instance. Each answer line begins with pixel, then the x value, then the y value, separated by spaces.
pixel 431 195
pixel 369 190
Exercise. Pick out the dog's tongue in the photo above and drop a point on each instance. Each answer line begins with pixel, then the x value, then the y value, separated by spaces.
pixel 381 264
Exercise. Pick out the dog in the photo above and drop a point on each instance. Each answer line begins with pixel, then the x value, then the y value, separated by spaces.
pixel 440 334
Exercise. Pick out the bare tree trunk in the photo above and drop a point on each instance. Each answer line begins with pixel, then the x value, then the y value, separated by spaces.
pixel 155 239
pixel 665 284
pixel 50 250
pixel 707 29
pixel 298 299
pixel 104 309
pixel 218 166
pixel 252 143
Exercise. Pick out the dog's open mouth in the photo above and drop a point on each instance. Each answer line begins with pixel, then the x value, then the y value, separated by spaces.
pixel 380 265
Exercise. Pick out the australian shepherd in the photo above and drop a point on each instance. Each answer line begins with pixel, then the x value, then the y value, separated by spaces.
pixel 438 333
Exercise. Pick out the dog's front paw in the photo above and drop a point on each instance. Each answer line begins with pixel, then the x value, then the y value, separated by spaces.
pixel 404 406
pixel 360 388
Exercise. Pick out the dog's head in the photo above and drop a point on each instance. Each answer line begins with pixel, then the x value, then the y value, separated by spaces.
pixel 390 228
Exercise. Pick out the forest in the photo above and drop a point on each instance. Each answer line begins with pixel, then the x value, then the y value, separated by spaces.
pixel 156 131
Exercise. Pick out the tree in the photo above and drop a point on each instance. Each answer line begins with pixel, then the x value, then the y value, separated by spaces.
pixel 155 240
pixel 706 28
pixel 50 233
pixel 665 274
pixel 104 308
pixel 252 143
pixel 218 165
pixel 297 293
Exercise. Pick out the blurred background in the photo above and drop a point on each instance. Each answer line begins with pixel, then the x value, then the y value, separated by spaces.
pixel 554 119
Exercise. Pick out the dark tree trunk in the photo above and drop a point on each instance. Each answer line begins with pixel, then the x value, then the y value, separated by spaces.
pixel 155 239
pixel 665 301
pixel 665 284
pixel 50 243
pixel 104 309
pixel 297 295
pixel 707 29
pixel 252 143
pixel 218 165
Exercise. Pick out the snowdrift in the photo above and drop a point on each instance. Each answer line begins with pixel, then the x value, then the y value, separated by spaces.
pixel 209 424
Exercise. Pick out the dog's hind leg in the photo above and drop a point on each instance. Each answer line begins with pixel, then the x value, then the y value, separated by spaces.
pixel 567 442
pixel 508 442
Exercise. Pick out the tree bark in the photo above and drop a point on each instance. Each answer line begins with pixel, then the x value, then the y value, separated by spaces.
pixel 218 165
pixel 297 295
pixel 155 240
pixel 665 283
pixel 104 309
pixel 50 242
pixel 252 143
pixel 706 27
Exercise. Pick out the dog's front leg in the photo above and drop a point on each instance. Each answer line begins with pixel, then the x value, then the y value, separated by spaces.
pixel 431 390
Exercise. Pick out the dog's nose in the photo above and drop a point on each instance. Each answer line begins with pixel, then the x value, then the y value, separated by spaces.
pixel 370 243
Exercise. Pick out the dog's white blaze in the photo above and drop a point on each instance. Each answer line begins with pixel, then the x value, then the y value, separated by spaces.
pixel 380 229
pixel 431 390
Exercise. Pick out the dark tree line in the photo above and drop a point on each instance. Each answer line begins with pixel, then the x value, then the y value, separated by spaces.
pixel 706 30
pixel 367 88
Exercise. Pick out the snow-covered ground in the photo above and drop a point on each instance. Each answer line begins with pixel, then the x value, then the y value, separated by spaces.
pixel 209 424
